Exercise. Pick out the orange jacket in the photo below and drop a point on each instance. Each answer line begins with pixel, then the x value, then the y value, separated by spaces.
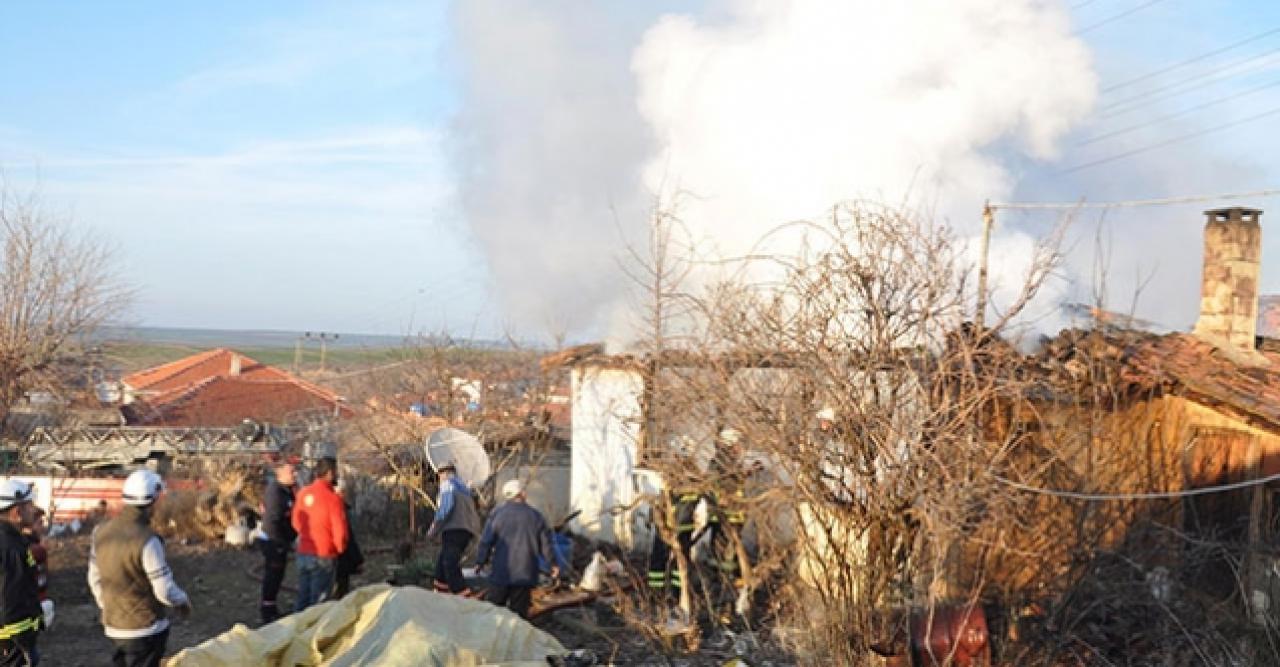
pixel 320 520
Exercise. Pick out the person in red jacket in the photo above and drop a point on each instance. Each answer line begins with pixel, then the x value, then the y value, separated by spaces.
pixel 321 522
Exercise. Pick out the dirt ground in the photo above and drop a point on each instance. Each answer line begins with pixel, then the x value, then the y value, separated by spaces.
pixel 220 581
pixel 218 578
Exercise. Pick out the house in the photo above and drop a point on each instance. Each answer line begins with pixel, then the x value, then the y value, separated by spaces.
pixel 1155 439
pixel 222 388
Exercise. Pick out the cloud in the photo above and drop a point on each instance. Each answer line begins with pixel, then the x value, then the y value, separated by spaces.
pixel 326 232
pixel 385 146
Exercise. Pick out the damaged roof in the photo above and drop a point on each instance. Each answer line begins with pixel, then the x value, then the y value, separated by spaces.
pixel 1246 386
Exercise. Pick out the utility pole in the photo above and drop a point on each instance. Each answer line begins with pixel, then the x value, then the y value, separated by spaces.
pixel 988 221
pixel 324 338
pixel 297 354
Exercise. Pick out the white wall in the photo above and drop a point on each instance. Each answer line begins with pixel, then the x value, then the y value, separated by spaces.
pixel 547 487
pixel 606 426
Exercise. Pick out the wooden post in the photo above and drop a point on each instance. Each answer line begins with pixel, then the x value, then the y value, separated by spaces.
pixel 988 221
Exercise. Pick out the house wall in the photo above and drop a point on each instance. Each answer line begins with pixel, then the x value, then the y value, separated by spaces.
pixel 547 487
pixel 65 499
pixel 1165 444
pixel 606 431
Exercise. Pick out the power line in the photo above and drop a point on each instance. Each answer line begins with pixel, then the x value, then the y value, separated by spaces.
pixel 1082 4
pixel 1191 61
pixel 1155 495
pixel 1133 203
pixel 1170 142
pixel 1181 87
pixel 1178 114
pixel 1117 17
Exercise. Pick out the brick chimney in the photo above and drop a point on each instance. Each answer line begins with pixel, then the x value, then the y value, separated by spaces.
pixel 1229 287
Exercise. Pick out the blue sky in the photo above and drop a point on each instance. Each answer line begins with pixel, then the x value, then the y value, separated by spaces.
pixel 272 165
pixel 285 165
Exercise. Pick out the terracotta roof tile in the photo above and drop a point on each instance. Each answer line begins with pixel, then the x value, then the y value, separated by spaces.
pixel 201 390
pixel 1185 364
pixel 199 367
pixel 227 401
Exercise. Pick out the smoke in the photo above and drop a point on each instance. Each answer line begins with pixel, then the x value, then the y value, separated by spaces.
pixel 749 114
pixel 549 144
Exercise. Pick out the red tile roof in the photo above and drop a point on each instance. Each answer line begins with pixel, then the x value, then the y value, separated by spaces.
pixel 201 390
pixel 197 368
pixel 227 401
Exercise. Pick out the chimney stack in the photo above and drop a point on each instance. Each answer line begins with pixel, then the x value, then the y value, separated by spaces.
pixel 235 365
pixel 1229 287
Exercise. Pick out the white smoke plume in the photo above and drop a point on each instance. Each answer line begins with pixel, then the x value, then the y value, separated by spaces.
pixel 761 112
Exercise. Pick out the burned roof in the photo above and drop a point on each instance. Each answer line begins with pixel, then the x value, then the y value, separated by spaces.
pixel 1176 363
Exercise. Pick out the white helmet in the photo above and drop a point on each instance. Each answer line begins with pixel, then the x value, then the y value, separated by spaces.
pixel 142 487
pixel 14 492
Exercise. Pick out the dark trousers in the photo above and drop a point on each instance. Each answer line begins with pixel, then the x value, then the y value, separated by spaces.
pixel 515 598
pixel 140 652
pixel 449 562
pixel 19 651
pixel 275 558
pixel 724 551
pixel 663 569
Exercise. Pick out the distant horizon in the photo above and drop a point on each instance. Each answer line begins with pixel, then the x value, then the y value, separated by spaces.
pixel 262 337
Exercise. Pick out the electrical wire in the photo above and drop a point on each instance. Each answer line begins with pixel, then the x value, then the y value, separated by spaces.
pixel 1178 114
pixel 1190 61
pixel 1170 142
pixel 1156 495
pixel 1187 85
pixel 1132 203
pixel 1117 17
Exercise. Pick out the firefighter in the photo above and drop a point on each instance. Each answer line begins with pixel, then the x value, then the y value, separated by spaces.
pixel 663 571
pixel 20 610
pixel 131 580
pixel 729 467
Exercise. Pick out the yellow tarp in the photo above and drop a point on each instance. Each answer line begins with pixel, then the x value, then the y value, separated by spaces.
pixel 381 626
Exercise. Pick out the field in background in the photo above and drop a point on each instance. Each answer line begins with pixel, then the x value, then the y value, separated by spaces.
pixel 135 355
pixel 127 349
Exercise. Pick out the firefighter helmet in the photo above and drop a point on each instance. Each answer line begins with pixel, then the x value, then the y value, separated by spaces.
pixel 14 492
pixel 142 487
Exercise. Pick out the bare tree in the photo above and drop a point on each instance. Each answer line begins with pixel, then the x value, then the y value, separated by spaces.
pixel 57 286
pixel 866 323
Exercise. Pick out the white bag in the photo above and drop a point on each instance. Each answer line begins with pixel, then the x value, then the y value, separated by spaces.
pixel 237 536
pixel 46 609
pixel 593 576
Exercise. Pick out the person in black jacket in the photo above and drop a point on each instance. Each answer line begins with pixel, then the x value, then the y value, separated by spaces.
pixel 277 510
pixel 20 611
pixel 515 536
pixel 351 560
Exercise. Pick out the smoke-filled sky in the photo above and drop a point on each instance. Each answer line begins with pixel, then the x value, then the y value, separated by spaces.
pixel 481 167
